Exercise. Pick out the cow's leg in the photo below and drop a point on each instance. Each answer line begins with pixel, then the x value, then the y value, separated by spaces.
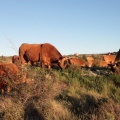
pixel 43 65
pixel 22 59
pixel 48 64
pixel 49 67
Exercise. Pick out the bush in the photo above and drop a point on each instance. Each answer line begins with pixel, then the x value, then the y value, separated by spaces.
pixel 63 94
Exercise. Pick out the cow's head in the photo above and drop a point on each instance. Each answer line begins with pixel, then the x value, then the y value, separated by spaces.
pixel 115 67
pixel 63 62
pixel 16 60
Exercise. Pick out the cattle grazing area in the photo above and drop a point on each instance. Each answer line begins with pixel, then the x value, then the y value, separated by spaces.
pixel 87 89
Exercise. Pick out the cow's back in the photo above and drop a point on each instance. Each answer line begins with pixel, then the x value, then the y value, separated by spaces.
pixel 33 53
pixel 103 64
pixel 29 52
pixel 10 76
pixel 78 62
pixel 109 58
pixel 24 47
pixel 50 52
pixel 8 69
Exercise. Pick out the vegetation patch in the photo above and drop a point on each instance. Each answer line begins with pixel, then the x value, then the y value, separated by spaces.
pixel 72 93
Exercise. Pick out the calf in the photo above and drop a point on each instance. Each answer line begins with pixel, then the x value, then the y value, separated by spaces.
pixel 77 61
pixel 10 75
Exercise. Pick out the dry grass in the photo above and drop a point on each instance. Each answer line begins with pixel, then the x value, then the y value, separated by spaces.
pixel 71 94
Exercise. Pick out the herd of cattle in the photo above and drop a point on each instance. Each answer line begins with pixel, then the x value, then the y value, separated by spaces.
pixel 48 56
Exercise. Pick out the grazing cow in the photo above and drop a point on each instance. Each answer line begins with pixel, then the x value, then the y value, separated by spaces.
pixel 30 53
pixel 90 61
pixel 10 75
pixel 45 53
pixel 115 66
pixel 109 58
pixel 77 62
pixel 49 54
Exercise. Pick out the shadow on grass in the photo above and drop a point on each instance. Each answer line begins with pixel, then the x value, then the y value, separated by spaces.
pixel 31 112
pixel 85 108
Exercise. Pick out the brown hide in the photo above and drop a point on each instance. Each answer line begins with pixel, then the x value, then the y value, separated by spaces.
pixel 78 62
pixel 49 54
pixel 10 75
pixel 103 64
pixel 117 59
pixel 33 54
pixel 16 60
pixel 115 66
pixel 109 58
pixel 63 62
pixel 29 53
pixel 90 61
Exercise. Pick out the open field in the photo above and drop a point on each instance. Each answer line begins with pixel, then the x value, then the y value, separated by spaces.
pixel 70 94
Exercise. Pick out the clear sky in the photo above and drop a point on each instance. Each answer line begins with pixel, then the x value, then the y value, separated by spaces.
pixel 72 26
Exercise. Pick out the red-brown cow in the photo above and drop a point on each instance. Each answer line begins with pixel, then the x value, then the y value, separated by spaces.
pixel 30 53
pixel 117 58
pixel 109 58
pixel 115 66
pixel 77 62
pixel 16 60
pixel 90 61
pixel 103 64
pixel 49 54
pixel 10 75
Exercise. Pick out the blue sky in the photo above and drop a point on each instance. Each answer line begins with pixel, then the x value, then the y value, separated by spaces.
pixel 72 26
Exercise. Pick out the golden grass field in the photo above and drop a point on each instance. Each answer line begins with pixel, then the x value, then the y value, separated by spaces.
pixel 70 94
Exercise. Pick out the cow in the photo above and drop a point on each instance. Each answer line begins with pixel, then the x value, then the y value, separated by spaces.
pixel 109 58
pixel 115 66
pixel 103 64
pixel 77 62
pixel 10 75
pixel 90 61
pixel 45 53
pixel 49 55
pixel 30 53
pixel 16 60
pixel 117 58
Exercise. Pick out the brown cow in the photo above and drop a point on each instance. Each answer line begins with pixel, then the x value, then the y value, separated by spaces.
pixel 77 61
pixel 10 75
pixel 103 64
pixel 45 53
pixel 16 60
pixel 49 54
pixel 117 58
pixel 115 66
pixel 109 58
pixel 30 53
pixel 90 61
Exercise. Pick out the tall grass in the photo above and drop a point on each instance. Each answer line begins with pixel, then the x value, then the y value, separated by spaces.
pixel 63 95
